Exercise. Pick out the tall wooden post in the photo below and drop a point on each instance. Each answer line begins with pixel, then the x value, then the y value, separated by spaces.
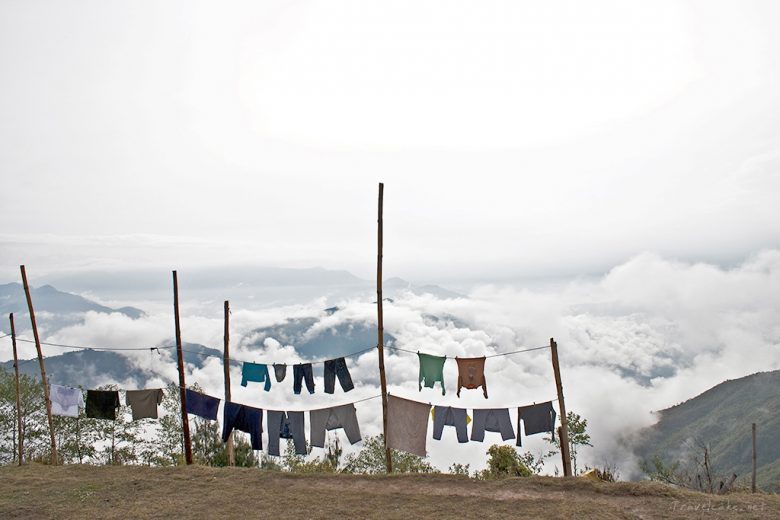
pixel 231 456
pixel 753 480
pixel 380 329
pixel 185 421
pixel 19 433
pixel 564 430
pixel 44 380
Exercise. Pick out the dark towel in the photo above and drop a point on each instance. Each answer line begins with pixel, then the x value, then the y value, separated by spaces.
pixel 102 404
pixel 537 418
pixel 202 405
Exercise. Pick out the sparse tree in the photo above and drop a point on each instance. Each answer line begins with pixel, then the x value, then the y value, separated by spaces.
pixel 328 463
pixel 171 434
pixel 695 472
pixel 371 459
pixel 35 429
pixel 208 448
pixel 578 438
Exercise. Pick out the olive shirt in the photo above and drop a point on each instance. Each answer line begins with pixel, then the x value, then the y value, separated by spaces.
pixel 144 402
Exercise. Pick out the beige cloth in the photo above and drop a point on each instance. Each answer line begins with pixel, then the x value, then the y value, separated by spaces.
pixel 144 402
pixel 407 425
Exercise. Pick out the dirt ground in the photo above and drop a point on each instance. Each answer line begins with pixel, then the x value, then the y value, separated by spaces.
pixel 197 492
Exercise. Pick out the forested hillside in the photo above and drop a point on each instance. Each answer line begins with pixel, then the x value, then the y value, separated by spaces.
pixel 720 419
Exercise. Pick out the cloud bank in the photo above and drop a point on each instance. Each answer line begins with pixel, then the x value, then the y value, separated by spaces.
pixel 648 334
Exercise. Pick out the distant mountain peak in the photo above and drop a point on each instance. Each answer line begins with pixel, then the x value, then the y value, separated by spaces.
pixel 60 306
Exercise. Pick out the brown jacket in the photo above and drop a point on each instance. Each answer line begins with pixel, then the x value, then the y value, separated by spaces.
pixel 471 374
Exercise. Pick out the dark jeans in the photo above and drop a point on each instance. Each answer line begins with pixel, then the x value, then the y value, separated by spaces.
pixel 333 368
pixel 301 372
pixel 244 418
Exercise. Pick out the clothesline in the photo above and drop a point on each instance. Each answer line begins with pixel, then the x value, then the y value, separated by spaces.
pixel 205 354
pixel 300 410
pixel 554 399
pixel 208 354
pixel 451 357
pixel 407 398
pixel 60 345
pixel 313 362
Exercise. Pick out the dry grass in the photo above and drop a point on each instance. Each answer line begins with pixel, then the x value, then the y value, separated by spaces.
pixel 197 492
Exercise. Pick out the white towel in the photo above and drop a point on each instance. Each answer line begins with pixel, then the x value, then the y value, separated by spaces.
pixel 65 401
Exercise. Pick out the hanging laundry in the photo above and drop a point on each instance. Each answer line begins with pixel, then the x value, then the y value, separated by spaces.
pixel 65 401
pixel 244 418
pixel 326 419
pixel 303 371
pixel 431 370
pixel 202 405
pixel 286 425
pixel 407 425
pixel 255 372
pixel 144 403
pixel 337 367
pixel 537 418
pixel 102 404
pixel 492 420
pixel 280 371
pixel 449 416
pixel 471 374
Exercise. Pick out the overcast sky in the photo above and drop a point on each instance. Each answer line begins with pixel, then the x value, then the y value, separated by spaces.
pixel 514 138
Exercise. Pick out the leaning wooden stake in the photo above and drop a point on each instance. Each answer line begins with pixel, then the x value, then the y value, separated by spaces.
pixel 20 432
pixel 44 380
pixel 564 435
pixel 185 421
pixel 380 329
pixel 753 480
pixel 231 456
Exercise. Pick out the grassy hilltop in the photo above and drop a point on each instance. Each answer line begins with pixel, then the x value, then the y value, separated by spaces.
pixel 198 492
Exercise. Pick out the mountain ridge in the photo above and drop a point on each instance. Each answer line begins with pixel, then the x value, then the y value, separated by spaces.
pixel 721 419
pixel 47 298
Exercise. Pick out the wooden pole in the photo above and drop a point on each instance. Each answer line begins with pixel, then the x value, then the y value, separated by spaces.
pixel 231 456
pixel 564 431
pixel 380 329
pixel 44 380
pixel 185 421
pixel 563 454
pixel 20 433
pixel 753 480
